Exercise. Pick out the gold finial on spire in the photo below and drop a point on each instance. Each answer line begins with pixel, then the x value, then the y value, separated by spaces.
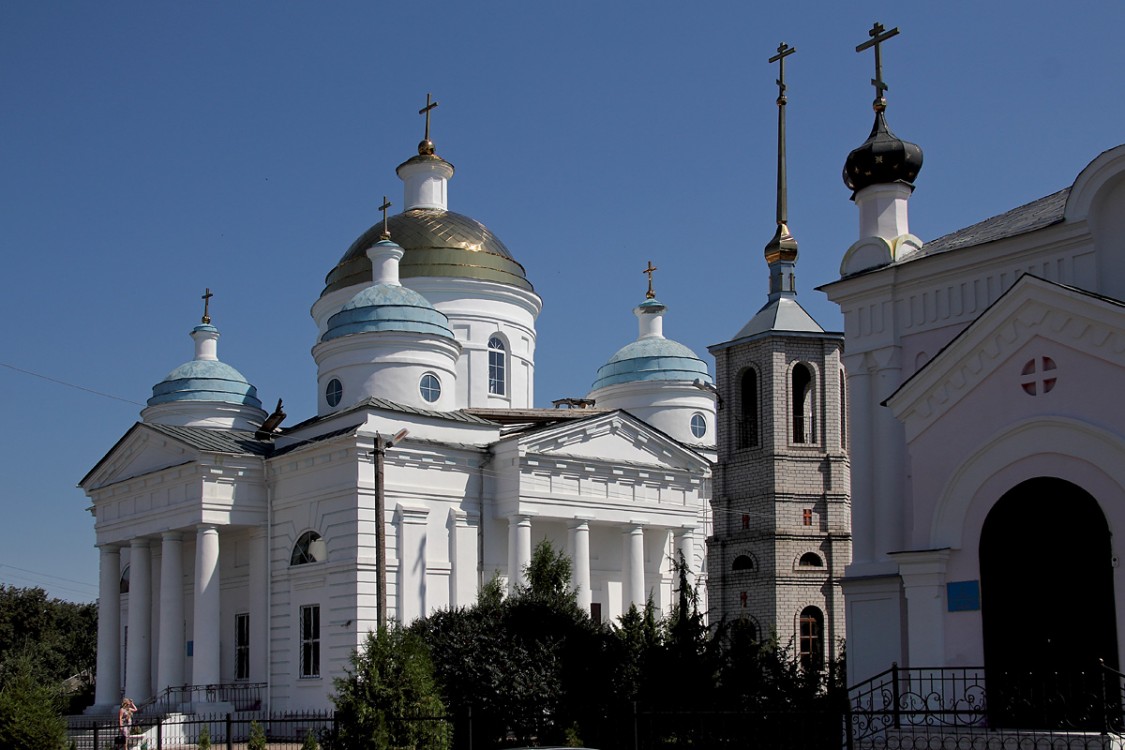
pixel 783 246
pixel 383 208
pixel 426 147
pixel 878 35
pixel 206 305
pixel 650 294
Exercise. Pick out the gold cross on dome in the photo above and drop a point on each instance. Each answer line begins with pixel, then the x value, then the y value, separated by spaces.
pixel 383 208
pixel 206 304
pixel 426 111
pixel 878 35
pixel 650 294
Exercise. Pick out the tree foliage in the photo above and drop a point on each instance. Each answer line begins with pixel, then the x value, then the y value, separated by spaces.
pixel 30 710
pixel 389 698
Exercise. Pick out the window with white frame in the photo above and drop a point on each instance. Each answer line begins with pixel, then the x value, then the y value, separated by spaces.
pixel 310 640
pixel 497 367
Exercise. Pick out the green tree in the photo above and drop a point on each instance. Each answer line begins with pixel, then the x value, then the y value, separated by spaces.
pixel 30 710
pixel 204 740
pixel 389 697
pixel 257 738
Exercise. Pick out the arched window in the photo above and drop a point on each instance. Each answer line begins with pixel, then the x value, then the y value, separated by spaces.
pixel 310 548
pixel 497 367
pixel 811 638
pixel 810 560
pixel 802 403
pixel 748 410
pixel 742 562
pixel 123 584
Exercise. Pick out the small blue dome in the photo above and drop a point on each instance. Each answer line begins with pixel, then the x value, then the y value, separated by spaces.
pixel 652 359
pixel 387 307
pixel 205 380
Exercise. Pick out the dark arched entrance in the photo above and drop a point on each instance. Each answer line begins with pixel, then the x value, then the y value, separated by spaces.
pixel 1047 605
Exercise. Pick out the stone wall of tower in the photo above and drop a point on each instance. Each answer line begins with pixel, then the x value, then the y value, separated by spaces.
pixel 776 499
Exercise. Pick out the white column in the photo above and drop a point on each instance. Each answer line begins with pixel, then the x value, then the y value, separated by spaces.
pixel 107 693
pixel 410 592
pixel 259 604
pixel 205 624
pixel 523 547
pixel 580 544
pixel 890 459
pixel 138 659
pixel 635 557
pixel 685 546
pixel 923 581
pixel 860 451
pixel 170 657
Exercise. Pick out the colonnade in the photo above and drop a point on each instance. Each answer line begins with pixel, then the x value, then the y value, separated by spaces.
pixel 634 590
pixel 166 623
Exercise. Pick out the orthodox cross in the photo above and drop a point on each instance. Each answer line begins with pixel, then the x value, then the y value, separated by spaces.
pixel 383 208
pixel 783 51
pixel 650 294
pixel 878 35
pixel 426 111
pixel 206 303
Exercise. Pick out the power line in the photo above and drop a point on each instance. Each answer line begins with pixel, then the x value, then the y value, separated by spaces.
pixel 69 385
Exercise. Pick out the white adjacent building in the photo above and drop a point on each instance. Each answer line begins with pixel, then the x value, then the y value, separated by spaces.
pixel 235 555
pixel 987 443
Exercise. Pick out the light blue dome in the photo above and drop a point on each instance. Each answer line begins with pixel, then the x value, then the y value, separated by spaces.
pixel 205 380
pixel 652 359
pixel 387 307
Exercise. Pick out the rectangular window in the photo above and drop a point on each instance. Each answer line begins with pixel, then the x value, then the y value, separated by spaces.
pixel 497 380
pixel 242 646
pixel 596 613
pixel 310 640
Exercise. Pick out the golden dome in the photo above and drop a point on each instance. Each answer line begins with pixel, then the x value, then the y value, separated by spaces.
pixel 436 243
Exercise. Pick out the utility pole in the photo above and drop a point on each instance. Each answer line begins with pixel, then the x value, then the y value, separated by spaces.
pixel 380 452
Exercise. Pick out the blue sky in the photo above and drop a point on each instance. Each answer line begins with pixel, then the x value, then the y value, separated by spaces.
pixel 150 150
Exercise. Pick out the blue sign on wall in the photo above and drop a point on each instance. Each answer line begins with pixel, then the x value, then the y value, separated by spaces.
pixel 963 596
pixel 190 647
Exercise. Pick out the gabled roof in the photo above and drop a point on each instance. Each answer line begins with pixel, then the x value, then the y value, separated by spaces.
pixel 538 438
pixel 1029 217
pixel 462 416
pixel 1031 306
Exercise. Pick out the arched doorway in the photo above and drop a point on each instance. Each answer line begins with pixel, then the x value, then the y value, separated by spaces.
pixel 1047 605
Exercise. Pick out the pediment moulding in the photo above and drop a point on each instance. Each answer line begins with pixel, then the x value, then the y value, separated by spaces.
pixel 1067 319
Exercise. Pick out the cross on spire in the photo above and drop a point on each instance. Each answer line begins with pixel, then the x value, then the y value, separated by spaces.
pixel 878 35
pixel 426 111
pixel 783 51
pixel 383 208
pixel 206 304
pixel 650 294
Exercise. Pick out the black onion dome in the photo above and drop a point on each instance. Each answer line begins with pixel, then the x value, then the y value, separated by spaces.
pixel 883 158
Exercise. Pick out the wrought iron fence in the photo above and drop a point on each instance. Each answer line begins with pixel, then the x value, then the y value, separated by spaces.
pixel 231 731
pixel 926 707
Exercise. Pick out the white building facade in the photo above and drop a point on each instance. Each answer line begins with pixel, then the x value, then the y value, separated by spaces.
pixel 236 554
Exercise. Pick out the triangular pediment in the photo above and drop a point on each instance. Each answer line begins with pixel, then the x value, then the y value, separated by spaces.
pixel 1091 325
pixel 614 438
pixel 142 450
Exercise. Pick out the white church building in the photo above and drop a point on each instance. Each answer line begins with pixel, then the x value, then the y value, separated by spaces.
pixel 236 554
pixel 987 441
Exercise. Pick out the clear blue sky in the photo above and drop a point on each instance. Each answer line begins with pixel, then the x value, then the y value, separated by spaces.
pixel 151 149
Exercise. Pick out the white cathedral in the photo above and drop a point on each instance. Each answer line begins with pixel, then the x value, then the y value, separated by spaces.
pixel 235 552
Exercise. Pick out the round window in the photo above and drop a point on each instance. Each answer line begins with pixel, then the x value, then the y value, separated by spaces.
pixel 334 392
pixel 430 387
pixel 698 425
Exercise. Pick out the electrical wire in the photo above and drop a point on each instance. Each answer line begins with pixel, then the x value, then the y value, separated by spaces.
pixel 69 385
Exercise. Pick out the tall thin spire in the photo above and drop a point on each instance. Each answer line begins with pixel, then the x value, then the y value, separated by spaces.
pixel 782 249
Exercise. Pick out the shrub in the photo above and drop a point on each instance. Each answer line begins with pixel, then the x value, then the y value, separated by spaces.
pixel 257 739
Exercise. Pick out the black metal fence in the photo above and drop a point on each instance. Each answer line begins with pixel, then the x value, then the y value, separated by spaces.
pixel 232 731
pixel 965 707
